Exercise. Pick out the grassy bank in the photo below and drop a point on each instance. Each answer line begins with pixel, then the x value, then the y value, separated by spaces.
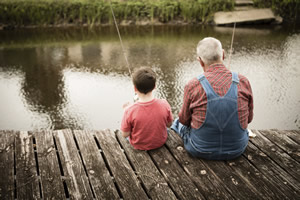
pixel 288 9
pixel 96 12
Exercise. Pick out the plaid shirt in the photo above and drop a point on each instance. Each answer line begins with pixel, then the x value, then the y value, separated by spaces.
pixel 220 78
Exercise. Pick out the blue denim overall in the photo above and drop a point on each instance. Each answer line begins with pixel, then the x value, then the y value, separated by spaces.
pixel 221 136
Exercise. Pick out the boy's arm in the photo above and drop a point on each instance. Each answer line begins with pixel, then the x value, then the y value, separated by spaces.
pixel 169 124
pixel 125 125
pixel 125 134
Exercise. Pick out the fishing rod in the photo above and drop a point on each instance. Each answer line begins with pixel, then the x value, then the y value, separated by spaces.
pixel 135 97
pixel 230 53
pixel 250 133
pixel 120 38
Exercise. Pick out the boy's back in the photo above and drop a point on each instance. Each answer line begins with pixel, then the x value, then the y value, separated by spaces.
pixel 147 122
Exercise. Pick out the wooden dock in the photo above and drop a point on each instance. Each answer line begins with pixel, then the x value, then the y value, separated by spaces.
pixel 67 164
pixel 245 13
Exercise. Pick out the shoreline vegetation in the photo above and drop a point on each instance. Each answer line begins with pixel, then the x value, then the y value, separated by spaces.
pixel 64 13
pixel 289 10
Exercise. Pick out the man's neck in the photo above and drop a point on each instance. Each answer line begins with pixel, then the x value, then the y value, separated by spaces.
pixel 206 67
pixel 145 97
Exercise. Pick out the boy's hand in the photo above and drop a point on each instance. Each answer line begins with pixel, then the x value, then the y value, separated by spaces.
pixel 125 105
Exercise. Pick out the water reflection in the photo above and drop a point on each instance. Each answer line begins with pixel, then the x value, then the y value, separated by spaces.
pixel 53 79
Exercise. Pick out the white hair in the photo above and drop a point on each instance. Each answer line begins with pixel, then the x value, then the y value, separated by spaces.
pixel 210 50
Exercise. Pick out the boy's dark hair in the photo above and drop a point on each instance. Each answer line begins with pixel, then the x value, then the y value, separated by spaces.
pixel 144 79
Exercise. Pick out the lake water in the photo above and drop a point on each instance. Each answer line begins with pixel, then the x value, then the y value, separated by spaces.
pixel 78 78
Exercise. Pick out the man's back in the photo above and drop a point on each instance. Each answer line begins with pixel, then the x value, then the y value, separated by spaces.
pixel 212 125
pixel 194 108
pixel 220 136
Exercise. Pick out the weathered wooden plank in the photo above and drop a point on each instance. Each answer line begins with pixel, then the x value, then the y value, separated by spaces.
pixel 76 179
pixel 244 16
pixel 284 142
pixel 285 185
pixel 26 170
pixel 294 135
pixel 155 184
pixel 99 176
pixel 179 181
pixel 277 154
pixel 238 185
pixel 51 182
pixel 125 178
pixel 250 174
pixel 209 185
pixel 7 139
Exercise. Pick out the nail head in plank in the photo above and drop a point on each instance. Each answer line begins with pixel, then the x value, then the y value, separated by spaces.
pixel 154 182
pixel 284 160
pixel 252 175
pixel 237 184
pixel 209 185
pixel 125 178
pixel 284 142
pixel 76 179
pixel 277 177
pixel 179 181
pixel 99 176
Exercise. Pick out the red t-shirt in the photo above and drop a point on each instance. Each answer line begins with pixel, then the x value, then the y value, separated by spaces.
pixel 147 122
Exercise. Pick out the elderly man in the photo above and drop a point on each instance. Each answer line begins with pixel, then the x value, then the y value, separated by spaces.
pixel 217 107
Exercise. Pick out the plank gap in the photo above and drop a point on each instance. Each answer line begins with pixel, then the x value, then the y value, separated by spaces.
pixel 269 170
pixel 61 170
pixel 293 139
pixel 228 189
pixel 37 165
pixel 108 168
pixel 182 167
pixel 58 158
pixel 170 186
pixel 276 162
pixel 84 167
pixel 40 187
pixel 285 143
pixel 35 156
pixel 66 189
pixel 261 149
pixel 132 166
pixel 15 170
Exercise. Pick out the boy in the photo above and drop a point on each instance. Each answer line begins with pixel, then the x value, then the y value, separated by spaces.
pixel 146 121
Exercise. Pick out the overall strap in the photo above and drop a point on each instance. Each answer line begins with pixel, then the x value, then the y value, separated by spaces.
pixel 233 90
pixel 235 78
pixel 210 93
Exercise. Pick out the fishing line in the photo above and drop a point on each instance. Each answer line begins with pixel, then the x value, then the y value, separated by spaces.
pixel 135 97
pixel 124 53
pixel 231 45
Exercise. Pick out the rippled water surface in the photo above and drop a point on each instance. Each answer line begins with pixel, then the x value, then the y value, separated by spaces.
pixel 77 78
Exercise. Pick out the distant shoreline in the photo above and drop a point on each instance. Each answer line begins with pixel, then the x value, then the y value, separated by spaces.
pixel 87 13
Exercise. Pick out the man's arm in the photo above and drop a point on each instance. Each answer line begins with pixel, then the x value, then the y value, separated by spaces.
pixel 250 104
pixel 185 114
